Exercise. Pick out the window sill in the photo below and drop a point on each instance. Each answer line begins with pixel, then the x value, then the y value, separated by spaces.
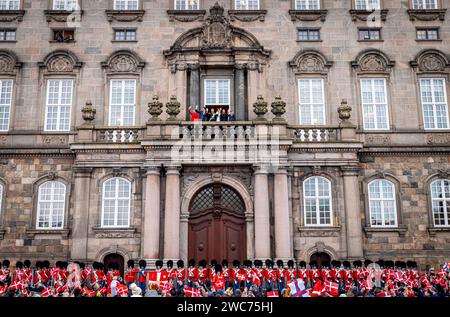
pixel 125 15
pixel 32 233
pixel 309 41
pixel 65 42
pixel 433 231
pixel 60 15
pixel 437 40
pixel 319 231
pixel 124 41
pixel 186 15
pixel 308 15
pixel 363 15
pixel 370 41
pixel 427 15
pixel 247 15
pixel 11 15
pixel 8 41
pixel 400 230
pixel 114 233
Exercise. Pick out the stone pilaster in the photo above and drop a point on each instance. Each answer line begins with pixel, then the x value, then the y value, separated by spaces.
pixel 240 92
pixel 152 213
pixel 262 214
pixel 194 85
pixel 283 243
pixel 172 214
pixel 352 212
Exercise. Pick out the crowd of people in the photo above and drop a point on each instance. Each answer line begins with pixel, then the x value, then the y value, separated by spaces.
pixel 215 114
pixel 202 279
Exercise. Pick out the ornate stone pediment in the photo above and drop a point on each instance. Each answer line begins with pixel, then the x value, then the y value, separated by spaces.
pixel 372 16
pixel 427 15
pixel 308 15
pixel 63 15
pixel 216 33
pixel 60 62
pixel 124 61
pixel 125 15
pixel 11 15
pixel 310 62
pixel 247 15
pixel 431 61
pixel 9 64
pixel 373 61
pixel 186 15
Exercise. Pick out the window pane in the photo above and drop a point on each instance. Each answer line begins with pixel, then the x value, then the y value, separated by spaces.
pixel 311 102
pixel 51 202
pixel 440 202
pixel 6 87
pixel 9 4
pixel 374 102
pixel 434 103
pixel 382 203
pixel 317 199
pixel 126 4
pixel 116 202
pixel 307 4
pixel 59 104
pixel 123 102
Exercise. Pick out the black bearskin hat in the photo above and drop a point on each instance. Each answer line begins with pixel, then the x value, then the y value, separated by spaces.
pixel 410 264
pixel 58 264
pixel 224 262
pixel 159 263
pixel 19 264
pixel 170 264
pixel 142 264
pixel 346 264
pixel 357 263
pixel 6 263
pixel 313 263
pixel 397 263
pixel 27 263
pixel 380 263
pixel 39 265
pixel 202 263
pixel 367 262
pixel 269 263
pixel 302 264
pixel 64 265
pixel 326 264
pixel 130 263
pixel 94 265
pixel 82 265
pixel 180 263
pixel 213 262
pixel 280 263
pixel 290 264
pixel 218 268
pixel 389 264
pixel 334 263
pixel 45 264
pixel 191 262
pixel 258 263
pixel 236 263
pixel 248 263
pixel 110 265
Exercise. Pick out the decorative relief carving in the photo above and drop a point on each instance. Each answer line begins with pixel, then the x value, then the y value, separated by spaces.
pixel 11 15
pixel 3 139
pixel 373 61
pixel 60 62
pixel 216 32
pixel 125 15
pixel 438 138
pixel 114 235
pixel 55 140
pixel 430 61
pixel 9 63
pixel 247 15
pixel 373 15
pixel 308 15
pixel 378 139
pixel 124 61
pixel 310 62
pixel 427 15
pixel 63 16
pixel 186 15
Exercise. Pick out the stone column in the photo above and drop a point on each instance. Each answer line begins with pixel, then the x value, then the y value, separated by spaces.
pixel 172 214
pixel 262 214
pixel 152 214
pixel 194 85
pixel 283 249
pixel 352 212
pixel 239 96
pixel 80 227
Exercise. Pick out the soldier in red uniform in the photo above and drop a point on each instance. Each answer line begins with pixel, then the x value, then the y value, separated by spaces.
pixel 131 273
pixel 226 273
pixel 142 276
pixel 27 271
pixel 46 277
pixel 5 273
pixel 290 272
pixel 235 272
pixel 281 284
pixel 192 273
pixel 257 273
pixel 248 273
pixel 218 279
pixel 180 274
pixel 269 274
pixel 203 272
pixel 38 276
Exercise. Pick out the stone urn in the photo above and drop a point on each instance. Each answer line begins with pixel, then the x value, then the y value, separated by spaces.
pixel 260 108
pixel 155 109
pixel 88 113
pixel 278 109
pixel 173 108
pixel 345 112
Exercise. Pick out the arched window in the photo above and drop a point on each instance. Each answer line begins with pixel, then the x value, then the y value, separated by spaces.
pixel 51 205
pixel 317 201
pixel 440 202
pixel 382 204
pixel 116 203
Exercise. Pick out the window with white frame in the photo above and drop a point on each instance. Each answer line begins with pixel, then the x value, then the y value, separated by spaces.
pixel 367 5
pixel 187 4
pixel 374 104
pixel 440 202
pixel 311 101
pixel 126 4
pixel 382 203
pixel 425 4
pixel 246 4
pixel 217 92
pixel 116 203
pixel 317 201
pixel 434 103
pixel 51 205
pixel 123 102
pixel 9 4
pixel 6 91
pixel 59 104
pixel 307 4
pixel 65 5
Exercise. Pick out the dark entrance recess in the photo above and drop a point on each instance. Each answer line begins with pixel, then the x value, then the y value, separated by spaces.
pixel 321 259
pixel 114 258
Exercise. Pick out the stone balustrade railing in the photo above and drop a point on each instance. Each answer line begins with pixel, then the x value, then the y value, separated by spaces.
pixel 118 134
pixel 315 134
pixel 217 130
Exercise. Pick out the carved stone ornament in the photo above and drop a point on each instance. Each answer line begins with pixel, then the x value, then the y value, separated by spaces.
pixel 63 15
pixel 173 108
pixel 345 111
pixel 54 140
pixel 124 61
pixel 125 15
pixel 378 139
pixel 371 16
pixel 216 32
pixel 310 62
pixel 88 113
pixel 60 62
pixel 427 14
pixel 260 108
pixel 11 15
pixel 373 61
pixel 247 15
pixel 155 108
pixel 186 15
pixel 308 15
pixel 438 138
pixel 8 62
pixel 278 109
pixel 431 61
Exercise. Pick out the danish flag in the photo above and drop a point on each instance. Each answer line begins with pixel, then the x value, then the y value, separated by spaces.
pixel 384 294
pixel 47 292
pixel 3 289
pixel 332 288
pixel 156 277
pixel 272 294
pixel 122 289
pixel 298 288
pixel 192 292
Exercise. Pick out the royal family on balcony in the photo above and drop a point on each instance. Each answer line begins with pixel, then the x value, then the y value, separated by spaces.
pixel 211 114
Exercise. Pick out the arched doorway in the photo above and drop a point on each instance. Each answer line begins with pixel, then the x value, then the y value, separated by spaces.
pixel 321 259
pixel 114 258
pixel 217 224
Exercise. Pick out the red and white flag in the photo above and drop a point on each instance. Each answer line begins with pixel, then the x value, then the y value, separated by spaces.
pixel 192 292
pixel 298 288
pixel 158 278
pixel 272 294
pixel 384 294
pixel 332 288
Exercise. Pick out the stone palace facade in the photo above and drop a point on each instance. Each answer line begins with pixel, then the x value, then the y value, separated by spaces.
pixel 340 149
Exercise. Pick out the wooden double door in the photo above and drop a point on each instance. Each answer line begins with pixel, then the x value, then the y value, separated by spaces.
pixel 217 225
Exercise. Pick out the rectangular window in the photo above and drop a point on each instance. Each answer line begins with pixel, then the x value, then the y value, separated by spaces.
pixel 59 104
pixel 217 92
pixel 431 34
pixel 247 4
pixel 307 4
pixel 65 5
pixel 434 103
pixel 7 35
pixel 124 35
pixel 187 4
pixel 425 4
pixel 126 4
pixel 9 4
pixel 311 101
pixel 369 34
pixel 308 34
pixel 123 102
pixel 374 104
pixel 63 35
pixel 6 90
pixel 367 5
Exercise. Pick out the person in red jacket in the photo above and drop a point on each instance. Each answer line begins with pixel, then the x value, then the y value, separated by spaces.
pixel 290 273
pixel 131 273
pixel 180 274
pixel 194 116
pixel 235 272
pixel 192 273
pixel 226 273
